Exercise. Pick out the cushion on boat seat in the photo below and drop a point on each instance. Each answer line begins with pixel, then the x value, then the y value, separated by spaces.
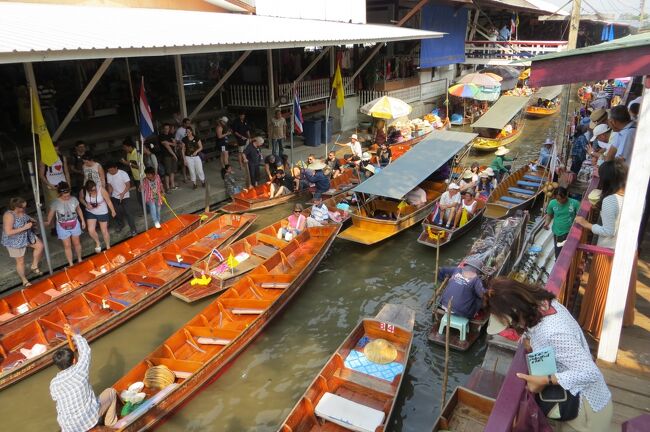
pixel 348 414
pixel 246 311
pixel 213 341
pixel 533 178
pixel 510 199
pixel 6 316
pixel 520 191
pixel 527 184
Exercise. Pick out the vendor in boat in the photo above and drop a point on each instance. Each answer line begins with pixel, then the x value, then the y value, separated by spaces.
pixel 533 312
pixel 314 174
pixel 506 131
pixel 380 133
pixel 296 223
pixel 448 204
pixel 467 182
pixel 77 407
pixel 319 212
pixel 464 288
pixel 484 187
pixel 384 156
pixel 467 209
pixel 282 184
pixel 355 147
pixel 498 163
pixel 333 167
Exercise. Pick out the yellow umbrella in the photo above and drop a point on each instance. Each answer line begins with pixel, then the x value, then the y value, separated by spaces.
pixel 386 107
pixel 525 74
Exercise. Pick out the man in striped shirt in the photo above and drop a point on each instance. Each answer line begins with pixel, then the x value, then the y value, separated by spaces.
pixel 77 407
pixel 609 91
pixel 319 212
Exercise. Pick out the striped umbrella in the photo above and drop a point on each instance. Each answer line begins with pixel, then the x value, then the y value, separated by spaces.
pixel 483 80
pixel 464 90
pixel 386 107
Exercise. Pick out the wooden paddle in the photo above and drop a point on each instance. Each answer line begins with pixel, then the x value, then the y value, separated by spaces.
pixel 445 375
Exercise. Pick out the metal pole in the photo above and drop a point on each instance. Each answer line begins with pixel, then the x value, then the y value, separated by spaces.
pixel 39 212
pixel 128 77
pixel 140 165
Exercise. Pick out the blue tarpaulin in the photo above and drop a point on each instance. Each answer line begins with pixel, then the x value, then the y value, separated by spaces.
pixel 451 48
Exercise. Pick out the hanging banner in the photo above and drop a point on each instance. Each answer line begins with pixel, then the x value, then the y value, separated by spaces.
pixel 451 48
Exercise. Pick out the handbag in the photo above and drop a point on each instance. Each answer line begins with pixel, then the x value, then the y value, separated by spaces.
pixel 68 225
pixel 530 417
pixel 558 404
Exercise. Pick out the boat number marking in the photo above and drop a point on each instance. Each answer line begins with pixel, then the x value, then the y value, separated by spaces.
pixel 390 328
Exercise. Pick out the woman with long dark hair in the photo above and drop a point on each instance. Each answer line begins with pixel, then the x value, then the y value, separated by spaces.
pixel 544 322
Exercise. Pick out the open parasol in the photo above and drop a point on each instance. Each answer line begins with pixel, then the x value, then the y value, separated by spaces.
pixel 464 90
pixel 386 107
pixel 494 76
pixel 483 80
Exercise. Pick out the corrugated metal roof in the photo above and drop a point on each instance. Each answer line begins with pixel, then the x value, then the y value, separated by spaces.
pixel 412 168
pixel 501 112
pixel 44 32
pixel 632 41
pixel 548 93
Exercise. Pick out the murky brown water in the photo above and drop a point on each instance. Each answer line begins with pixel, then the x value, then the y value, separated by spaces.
pixel 263 384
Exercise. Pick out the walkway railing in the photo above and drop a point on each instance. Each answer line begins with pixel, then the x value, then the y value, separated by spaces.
pixel 416 93
pixel 257 96
pixel 495 52
pixel 563 281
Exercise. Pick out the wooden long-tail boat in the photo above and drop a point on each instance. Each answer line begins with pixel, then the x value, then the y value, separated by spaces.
pixel 352 392
pixel 491 126
pixel 546 94
pixel 498 249
pixel 435 236
pixel 252 251
pixel 100 306
pixel 518 191
pixel 465 410
pixel 348 179
pixel 257 198
pixel 211 340
pixel 91 269
pixel 385 213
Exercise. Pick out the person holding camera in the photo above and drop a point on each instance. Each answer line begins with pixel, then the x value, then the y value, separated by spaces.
pixel 17 235
pixel 97 203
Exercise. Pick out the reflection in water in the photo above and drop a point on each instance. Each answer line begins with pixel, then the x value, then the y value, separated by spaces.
pixel 261 387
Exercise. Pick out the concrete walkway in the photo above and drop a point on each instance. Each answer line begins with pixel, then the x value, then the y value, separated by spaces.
pixel 183 200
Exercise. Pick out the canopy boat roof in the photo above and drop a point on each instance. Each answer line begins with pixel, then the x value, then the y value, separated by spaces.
pixel 548 93
pixel 411 169
pixel 501 112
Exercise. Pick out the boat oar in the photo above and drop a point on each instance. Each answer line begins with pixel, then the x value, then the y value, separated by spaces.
pixel 164 198
pixel 445 375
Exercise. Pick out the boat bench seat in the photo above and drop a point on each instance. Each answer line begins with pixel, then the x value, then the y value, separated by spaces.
pixel 521 191
pixel 511 200
pixel 270 240
pixel 348 414
pixel 528 184
pixel 533 178
pixel 264 251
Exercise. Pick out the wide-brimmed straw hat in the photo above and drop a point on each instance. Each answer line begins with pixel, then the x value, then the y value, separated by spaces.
pixel 370 168
pixel 380 351
pixel 489 171
pixel 467 174
pixel 599 130
pixel 597 117
pixel 502 151
pixel 483 174
pixel 316 165
pixel 365 156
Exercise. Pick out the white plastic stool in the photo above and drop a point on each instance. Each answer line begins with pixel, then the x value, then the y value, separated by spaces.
pixel 459 323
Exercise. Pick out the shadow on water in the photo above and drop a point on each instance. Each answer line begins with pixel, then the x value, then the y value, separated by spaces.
pixel 262 385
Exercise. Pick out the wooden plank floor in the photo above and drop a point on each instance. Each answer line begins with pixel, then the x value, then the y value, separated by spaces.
pixel 629 378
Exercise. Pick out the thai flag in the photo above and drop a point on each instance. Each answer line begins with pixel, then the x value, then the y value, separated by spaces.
pixel 297 114
pixel 146 120
pixel 217 255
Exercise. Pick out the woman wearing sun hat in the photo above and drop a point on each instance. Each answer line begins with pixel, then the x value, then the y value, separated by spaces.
pixel 498 163
pixel 467 181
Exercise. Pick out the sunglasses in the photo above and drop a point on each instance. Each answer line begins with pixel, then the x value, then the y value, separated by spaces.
pixel 296 211
pixel 64 191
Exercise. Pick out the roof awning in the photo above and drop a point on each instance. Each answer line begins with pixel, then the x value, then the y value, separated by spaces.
pixel 412 168
pixel 627 56
pixel 501 112
pixel 44 32
pixel 548 93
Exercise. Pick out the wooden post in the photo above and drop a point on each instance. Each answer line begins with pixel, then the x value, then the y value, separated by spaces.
pixel 180 85
pixel 445 375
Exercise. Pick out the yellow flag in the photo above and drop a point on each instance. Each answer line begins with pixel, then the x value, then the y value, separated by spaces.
pixel 338 85
pixel 48 154
pixel 232 261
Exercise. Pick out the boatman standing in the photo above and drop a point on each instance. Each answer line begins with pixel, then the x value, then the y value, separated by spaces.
pixel 498 163
pixel 77 407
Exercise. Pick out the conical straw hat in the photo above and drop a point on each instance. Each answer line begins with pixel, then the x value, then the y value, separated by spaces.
pixel 380 351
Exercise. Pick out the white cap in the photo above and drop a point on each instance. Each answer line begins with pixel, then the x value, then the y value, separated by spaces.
pixel 366 156
pixel 354 136
pixel 453 186
pixel 599 130
pixel 224 119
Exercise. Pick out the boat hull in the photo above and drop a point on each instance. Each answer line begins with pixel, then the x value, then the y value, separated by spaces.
pixel 537 112
pixel 100 321
pixel 497 208
pixel 443 235
pixel 465 410
pixel 491 144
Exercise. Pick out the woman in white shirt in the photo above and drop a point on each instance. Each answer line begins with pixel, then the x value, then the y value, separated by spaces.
pixel 544 322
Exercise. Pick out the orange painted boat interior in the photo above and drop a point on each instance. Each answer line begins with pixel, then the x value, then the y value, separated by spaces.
pixel 79 275
pixel 98 302
pixel 235 312
pixel 382 205
pixel 352 385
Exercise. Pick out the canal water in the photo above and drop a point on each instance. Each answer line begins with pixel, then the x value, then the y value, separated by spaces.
pixel 265 381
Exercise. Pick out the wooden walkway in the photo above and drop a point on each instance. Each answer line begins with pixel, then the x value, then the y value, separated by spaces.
pixel 629 378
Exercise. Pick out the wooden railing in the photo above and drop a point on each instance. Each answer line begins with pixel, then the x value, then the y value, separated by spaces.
pixel 563 282
pixel 495 52
pixel 257 96
pixel 416 93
